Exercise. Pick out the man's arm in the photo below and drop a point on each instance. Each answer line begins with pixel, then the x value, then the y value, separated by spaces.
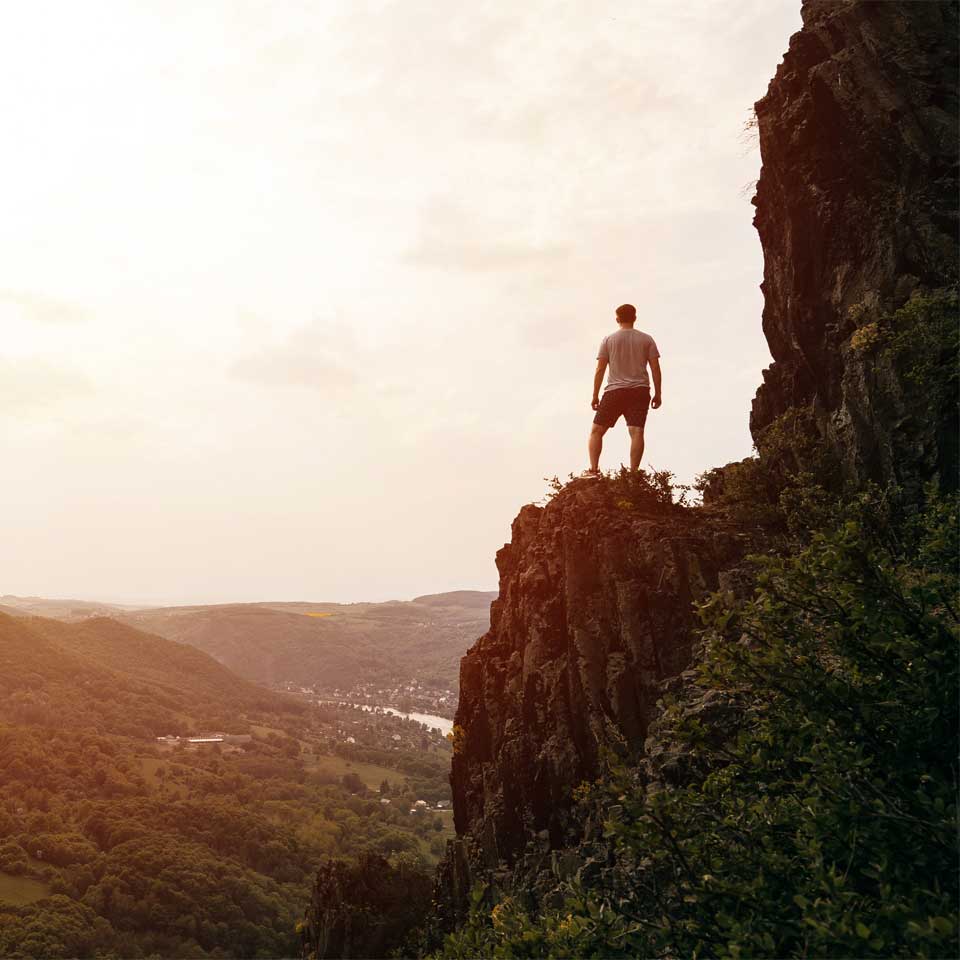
pixel 598 381
pixel 657 378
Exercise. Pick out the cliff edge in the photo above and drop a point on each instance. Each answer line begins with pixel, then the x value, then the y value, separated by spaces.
pixel 595 612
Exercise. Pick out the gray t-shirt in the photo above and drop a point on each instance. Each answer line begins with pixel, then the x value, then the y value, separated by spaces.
pixel 627 351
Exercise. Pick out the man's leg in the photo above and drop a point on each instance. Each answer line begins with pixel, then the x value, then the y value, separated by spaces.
pixel 636 447
pixel 595 445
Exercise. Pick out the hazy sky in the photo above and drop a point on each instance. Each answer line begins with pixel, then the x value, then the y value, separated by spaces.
pixel 301 300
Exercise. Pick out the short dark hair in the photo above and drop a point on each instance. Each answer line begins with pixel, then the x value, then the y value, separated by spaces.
pixel 627 313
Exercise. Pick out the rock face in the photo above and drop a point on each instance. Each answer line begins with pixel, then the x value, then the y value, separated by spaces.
pixel 857 216
pixel 595 611
pixel 857 210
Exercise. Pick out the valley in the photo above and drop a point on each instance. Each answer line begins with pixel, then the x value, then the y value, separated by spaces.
pixel 156 803
pixel 406 654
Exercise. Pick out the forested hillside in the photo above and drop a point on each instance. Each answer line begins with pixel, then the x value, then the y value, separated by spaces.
pixel 114 844
pixel 331 644
pixel 103 675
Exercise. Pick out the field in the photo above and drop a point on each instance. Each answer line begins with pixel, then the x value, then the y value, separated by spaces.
pixel 259 730
pixel 20 890
pixel 371 774
pixel 148 769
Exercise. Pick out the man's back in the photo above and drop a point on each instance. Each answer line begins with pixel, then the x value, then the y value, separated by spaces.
pixel 628 352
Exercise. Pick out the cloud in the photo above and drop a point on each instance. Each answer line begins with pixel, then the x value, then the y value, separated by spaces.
pixel 315 357
pixel 42 309
pixel 453 238
pixel 31 384
pixel 286 368
pixel 529 73
pixel 475 186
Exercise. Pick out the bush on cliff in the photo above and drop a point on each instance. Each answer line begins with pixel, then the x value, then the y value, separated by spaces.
pixel 789 456
pixel 635 489
pixel 825 823
pixel 923 338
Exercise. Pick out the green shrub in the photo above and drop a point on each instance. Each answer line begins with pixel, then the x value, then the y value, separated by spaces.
pixel 632 488
pixel 867 337
pixel 790 454
pixel 924 340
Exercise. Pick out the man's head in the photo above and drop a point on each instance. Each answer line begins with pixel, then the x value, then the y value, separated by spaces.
pixel 626 315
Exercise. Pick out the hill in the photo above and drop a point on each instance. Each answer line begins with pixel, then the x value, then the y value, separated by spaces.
pixel 105 675
pixel 59 608
pixel 331 645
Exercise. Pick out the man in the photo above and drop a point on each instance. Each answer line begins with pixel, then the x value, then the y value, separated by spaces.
pixel 627 352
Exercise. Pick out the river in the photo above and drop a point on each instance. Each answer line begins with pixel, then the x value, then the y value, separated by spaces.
pixel 444 725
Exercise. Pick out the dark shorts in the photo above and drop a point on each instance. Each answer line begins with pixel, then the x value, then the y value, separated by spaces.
pixel 632 402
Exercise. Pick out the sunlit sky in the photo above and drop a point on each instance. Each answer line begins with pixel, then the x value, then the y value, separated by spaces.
pixel 301 300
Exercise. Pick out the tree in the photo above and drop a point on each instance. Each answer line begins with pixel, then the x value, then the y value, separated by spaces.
pixel 352 782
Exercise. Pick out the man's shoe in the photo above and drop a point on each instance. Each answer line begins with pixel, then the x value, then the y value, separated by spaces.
pixel 591 475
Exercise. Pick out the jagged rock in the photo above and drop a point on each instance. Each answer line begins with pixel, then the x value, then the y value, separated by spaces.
pixel 595 611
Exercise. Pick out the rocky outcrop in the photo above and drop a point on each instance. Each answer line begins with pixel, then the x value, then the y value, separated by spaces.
pixel 856 211
pixel 595 611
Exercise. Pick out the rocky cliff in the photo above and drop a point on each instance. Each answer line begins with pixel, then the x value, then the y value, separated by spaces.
pixel 857 211
pixel 595 611
pixel 857 216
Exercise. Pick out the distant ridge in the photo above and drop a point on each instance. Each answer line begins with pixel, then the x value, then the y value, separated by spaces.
pixel 278 642
pixel 60 608
pixel 465 598
pixel 273 642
